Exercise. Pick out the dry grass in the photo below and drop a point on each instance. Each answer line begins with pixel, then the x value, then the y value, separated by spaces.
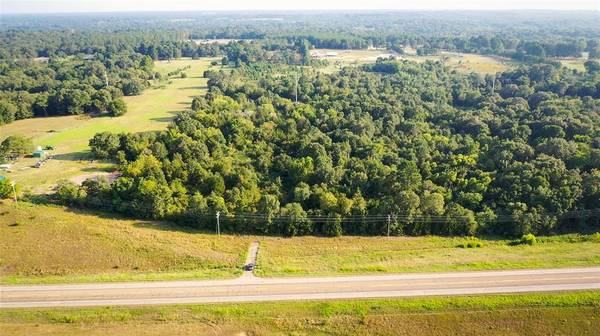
pixel 527 314
pixel 461 62
pixel 152 110
pixel 357 255
pixel 574 63
pixel 477 63
pixel 54 244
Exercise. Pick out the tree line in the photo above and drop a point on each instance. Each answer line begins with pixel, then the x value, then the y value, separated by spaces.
pixel 71 85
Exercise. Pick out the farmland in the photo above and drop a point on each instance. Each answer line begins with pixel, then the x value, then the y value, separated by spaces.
pixel 529 314
pixel 152 110
pixel 462 62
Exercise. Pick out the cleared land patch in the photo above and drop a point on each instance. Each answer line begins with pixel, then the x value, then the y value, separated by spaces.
pixel 482 64
pixel 152 110
pixel 44 244
pixel 529 314
pixel 357 255
pixel 574 63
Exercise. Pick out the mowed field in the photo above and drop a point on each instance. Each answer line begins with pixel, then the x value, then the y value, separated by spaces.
pixel 45 244
pixel 152 110
pixel 461 62
pixel 361 255
pixel 575 313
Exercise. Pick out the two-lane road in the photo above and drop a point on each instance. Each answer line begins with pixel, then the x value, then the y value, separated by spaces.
pixel 253 289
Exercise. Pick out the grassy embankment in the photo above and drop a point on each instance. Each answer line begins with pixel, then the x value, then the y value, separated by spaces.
pixel 152 110
pixel 575 313
pixel 358 255
pixel 44 244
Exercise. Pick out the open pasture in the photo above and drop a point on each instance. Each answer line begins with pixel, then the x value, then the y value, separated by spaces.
pixel 152 110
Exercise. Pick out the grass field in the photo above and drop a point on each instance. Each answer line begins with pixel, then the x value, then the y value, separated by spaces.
pixel 576 313
pixel 152 110
pixel 461 62
pixel 574 63
pixel 358 255
pixel 44 244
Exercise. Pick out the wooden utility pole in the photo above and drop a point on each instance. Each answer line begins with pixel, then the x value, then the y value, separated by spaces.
pixel 218 224
pixel 14 191
pixel 389 219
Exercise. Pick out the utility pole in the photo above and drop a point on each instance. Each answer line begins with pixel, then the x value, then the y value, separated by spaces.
pixel 12 183
pixel 218 224
pixel 494 84
pixel 105 78
pixel 389 219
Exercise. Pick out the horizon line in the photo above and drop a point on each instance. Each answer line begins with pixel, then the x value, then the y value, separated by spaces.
pixel 3 13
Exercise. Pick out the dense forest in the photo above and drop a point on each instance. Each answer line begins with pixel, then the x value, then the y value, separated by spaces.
pixel 534 33
pixel 437 151
pixel 73 64
pixel 72 85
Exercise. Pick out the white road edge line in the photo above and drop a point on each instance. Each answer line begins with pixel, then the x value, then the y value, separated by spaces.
pixel 294 280
pixel 303 296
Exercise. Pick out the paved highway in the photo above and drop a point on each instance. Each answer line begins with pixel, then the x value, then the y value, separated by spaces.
pixel 252 289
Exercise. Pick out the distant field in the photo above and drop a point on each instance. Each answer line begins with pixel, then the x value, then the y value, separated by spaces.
pixel 571 314
pixel 477 63
pixel 461 62
pixel 152 110
pixel 574 63
pixel 40 244
pixel 359 255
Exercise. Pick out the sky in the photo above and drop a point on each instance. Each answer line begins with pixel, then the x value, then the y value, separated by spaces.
pixel 54 6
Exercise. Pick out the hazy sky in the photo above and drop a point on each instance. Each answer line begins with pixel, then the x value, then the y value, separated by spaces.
pixel 46 6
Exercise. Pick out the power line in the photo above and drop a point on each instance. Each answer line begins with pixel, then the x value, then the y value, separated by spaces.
pixel 371 218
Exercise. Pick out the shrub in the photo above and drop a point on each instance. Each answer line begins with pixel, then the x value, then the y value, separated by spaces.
pixel 6 190
pixel 15 145
pixel 470 244
pixel 593 237
pixel 528 239
pixel 117 107
pixel 68 193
